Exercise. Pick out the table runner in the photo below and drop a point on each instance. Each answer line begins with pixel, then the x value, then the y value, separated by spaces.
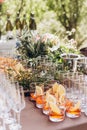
pixel 32 118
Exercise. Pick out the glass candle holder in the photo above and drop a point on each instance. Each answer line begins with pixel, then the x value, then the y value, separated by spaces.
pixel 46 109
pixel 57 117
pixel 40 101
pixel 71 113
pixel 33 97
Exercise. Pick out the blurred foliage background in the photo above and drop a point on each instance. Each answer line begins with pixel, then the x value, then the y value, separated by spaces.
pixel 65 18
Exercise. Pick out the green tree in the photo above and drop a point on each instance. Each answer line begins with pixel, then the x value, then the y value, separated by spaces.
pixel 68 13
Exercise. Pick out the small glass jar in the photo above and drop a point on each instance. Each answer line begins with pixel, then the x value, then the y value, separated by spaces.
pixel 46 109
pixel 40 101
pixel 73 113
pixel 57 117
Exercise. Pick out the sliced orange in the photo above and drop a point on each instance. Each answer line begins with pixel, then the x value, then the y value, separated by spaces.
pixel 57 95
pixel 55 87
pixel 50 99
pixel 47 95
pixel 54 108
pixel 62 90
pixel 62 98
pixel 50 90
pixel 39 90
pixel 76 107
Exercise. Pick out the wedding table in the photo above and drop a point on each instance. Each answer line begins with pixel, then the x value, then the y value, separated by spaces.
pixel 32 118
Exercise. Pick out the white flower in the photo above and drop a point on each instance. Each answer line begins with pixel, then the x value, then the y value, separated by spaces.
pixel 73 30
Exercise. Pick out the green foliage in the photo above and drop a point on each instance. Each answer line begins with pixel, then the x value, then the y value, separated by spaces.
pixel 51 15
pixel 30 47
pixel 68 12
pixel 50 24
pixel 56 55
